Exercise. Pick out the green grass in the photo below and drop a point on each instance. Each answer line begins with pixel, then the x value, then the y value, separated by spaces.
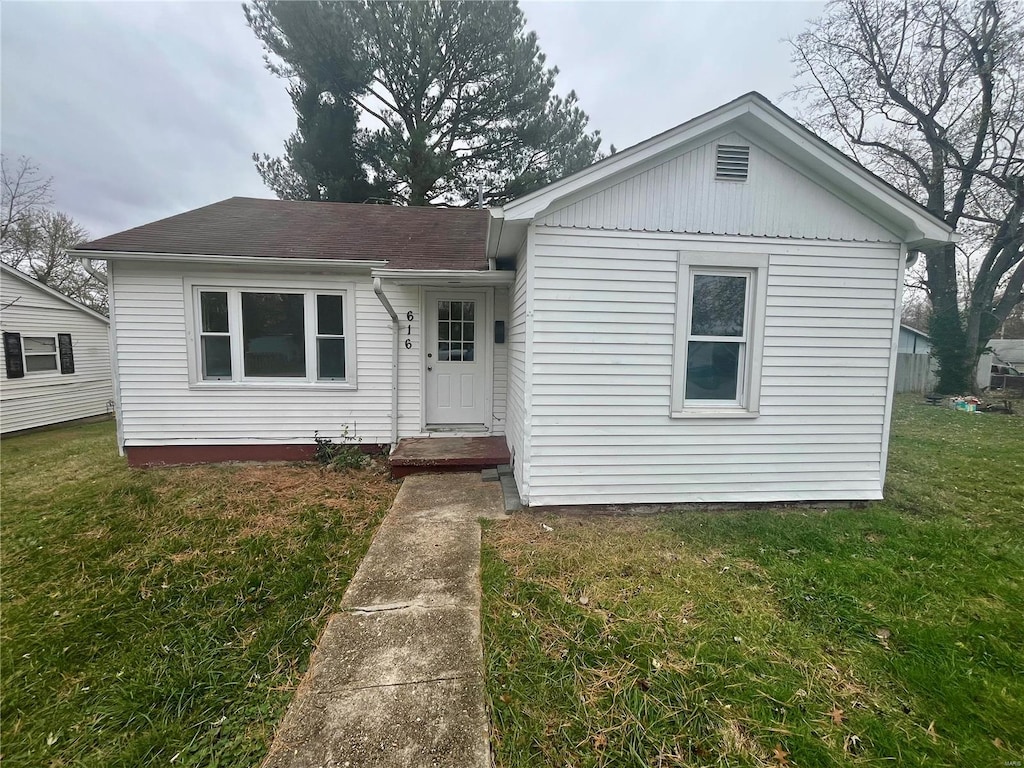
pixel 163 617
pixel 891 635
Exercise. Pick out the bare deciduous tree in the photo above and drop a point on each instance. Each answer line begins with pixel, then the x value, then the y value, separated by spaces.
pixel 35 239
pixel 24 192
pixel 928 93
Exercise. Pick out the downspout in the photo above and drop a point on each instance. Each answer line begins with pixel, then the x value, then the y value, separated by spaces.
pixel 379 290
pixel 87 265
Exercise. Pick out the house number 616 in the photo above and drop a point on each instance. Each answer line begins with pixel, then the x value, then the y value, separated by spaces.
pixel 410 317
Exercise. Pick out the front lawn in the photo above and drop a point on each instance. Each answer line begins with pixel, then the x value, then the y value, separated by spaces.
pixel 163 617
pixel 892 635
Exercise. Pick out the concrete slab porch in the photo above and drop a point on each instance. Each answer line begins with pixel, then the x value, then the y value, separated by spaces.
pixel 448 454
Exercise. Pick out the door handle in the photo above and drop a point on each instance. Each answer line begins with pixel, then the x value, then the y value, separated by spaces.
pixel 430 368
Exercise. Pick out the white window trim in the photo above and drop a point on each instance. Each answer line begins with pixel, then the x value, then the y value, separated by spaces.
pixel 235 288
pixel 755 266
pixel 55 372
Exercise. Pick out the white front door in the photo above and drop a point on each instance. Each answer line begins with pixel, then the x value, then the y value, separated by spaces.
pixel 457 377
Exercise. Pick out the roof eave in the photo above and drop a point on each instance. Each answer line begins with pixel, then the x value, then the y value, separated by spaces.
pixel 442 277
pixel 241 260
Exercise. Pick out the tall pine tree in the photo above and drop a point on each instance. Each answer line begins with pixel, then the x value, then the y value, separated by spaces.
pixel 454 95
pixel 323 158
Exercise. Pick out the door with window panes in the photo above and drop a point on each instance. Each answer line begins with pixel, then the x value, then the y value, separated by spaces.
pixel 457 379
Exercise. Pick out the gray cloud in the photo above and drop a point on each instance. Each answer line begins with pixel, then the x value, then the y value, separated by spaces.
pixel 141 111
pixel 640 68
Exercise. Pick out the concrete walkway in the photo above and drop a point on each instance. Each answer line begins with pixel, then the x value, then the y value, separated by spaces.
pixel 397 677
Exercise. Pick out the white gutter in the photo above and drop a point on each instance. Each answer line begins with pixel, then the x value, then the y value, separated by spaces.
pixel 218 259
pixel 379 290
pixel 445 276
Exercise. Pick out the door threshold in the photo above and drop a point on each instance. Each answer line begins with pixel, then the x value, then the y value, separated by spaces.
pixel 448 429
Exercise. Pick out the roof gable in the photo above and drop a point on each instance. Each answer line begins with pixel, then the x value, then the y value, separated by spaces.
pixel 684 194
pixel 10 273
pixel 777 133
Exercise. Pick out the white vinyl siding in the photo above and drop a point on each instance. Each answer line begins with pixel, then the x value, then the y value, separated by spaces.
pixel 681 194
pixel 163 405
pixel 604 313
pixel 49 397
pixel 517 347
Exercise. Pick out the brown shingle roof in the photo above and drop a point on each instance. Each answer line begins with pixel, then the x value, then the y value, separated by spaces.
pixel 407 238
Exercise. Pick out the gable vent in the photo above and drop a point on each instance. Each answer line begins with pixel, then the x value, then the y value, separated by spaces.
pixel 732 162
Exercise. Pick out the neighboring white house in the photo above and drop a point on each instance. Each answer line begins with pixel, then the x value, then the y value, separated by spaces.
pixel 913 341
pixel 915 369
pixel 56 356
pixel 709 316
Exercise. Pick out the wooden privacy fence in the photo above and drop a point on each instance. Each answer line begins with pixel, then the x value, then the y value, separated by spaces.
pixel 913 372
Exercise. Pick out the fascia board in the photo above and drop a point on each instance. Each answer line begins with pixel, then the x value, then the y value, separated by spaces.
pixel 919 224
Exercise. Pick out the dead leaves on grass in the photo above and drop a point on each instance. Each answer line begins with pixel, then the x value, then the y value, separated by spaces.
pixel 780 756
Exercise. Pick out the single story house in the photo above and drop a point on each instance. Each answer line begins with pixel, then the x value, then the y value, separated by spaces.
pixel 913 341
pixel 56 356
pixel 711 315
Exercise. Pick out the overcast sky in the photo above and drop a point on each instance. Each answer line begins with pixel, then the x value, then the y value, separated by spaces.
pixel 143 110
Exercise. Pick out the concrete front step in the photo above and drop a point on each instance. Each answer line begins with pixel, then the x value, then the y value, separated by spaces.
pixel 447 454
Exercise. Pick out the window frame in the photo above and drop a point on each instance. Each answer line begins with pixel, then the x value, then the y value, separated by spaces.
pixel 318 336
pixel 55 371
pixel 754 267
pixel 238 379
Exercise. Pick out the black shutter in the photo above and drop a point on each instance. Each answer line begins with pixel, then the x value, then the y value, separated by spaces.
pixel 67 355
pixel 12 356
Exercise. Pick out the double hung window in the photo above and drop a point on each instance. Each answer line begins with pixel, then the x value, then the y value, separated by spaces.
pixel 718 335
pixel 31 355
pixel 40 353
pixel 264 336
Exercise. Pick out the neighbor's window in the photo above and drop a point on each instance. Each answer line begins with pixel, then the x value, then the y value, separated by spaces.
pixel 37 354
pixel 263 335
pixel 40 353
pixel 719 330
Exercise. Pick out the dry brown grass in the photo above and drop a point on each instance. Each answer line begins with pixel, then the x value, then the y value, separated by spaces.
pixel 271 498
